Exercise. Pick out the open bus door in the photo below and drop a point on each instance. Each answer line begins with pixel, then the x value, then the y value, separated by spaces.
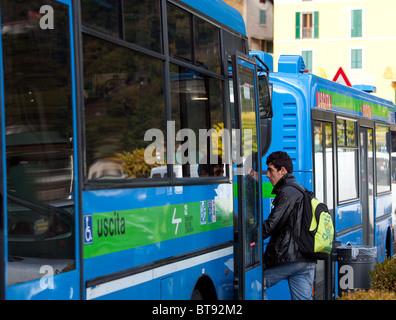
pixel 39 244
pixel 247 175
pixel 2 207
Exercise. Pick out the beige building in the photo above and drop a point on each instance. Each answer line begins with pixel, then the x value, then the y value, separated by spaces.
pixel 357 35
pixel 258 16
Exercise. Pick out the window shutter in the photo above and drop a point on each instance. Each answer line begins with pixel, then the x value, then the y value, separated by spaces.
pixel 356 59
pixel 316 25
pixel 298 25
pixel 356 23
pixel 263 17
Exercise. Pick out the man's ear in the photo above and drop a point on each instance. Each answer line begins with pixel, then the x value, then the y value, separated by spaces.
pixel 283 171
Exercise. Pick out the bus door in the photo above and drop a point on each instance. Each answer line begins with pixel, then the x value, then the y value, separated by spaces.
pixel 246 174
pixel 324 146
pixel 40 216
pixel 367 185
pixel 2 204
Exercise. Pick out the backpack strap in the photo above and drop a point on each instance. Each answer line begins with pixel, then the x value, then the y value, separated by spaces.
pixel 297 186
pixel 303 191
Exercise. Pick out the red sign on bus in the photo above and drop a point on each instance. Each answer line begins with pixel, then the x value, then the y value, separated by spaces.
pixel 323 100
pixel 367 111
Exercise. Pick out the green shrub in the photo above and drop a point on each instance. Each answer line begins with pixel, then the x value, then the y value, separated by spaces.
pixel 383 276
pixel 368 295
pixel 383 283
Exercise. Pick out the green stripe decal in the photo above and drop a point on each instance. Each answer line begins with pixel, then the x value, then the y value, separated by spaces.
pixel 267 190
pixel 122 230
pixel 355 105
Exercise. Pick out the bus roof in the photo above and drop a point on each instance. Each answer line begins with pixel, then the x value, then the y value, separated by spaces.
pixel 341 98
pixel 221 12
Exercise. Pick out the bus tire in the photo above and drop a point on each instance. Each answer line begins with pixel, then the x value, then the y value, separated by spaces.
pixel 196 295
pixel 388 244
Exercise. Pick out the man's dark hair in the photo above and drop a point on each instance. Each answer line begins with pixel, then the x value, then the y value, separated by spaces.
pixel 280 159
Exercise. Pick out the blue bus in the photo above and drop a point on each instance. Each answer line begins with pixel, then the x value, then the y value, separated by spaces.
pixel 340 140
pixel 100 104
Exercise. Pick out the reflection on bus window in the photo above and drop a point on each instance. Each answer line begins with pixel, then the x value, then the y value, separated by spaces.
pixel 205 41
pixel 207 44
pixel 382 158
pixel 134 21
pixel 38 235
pixel 348 174
pixel 179 33
pixel 39 140
pixel 197 107
pixel 122 102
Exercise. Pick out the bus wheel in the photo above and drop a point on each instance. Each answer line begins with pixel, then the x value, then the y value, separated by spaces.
pixel 196 295
pixel 204 289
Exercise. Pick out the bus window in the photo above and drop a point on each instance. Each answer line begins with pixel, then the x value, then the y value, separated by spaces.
pixel 134 21
pixel 143 23
pixel 197 110
pixel 323 149
pixel 122 101
pixel 348 174
pixel 179 35
pixel 38 235
pixel 382 158
pixel 102 16
pixel 203 49
pixel 39 141
pixel 247 102
pixel 207 43
pixel 233 43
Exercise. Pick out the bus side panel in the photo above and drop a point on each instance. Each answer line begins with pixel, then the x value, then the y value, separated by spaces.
pixel 177 285
pixel 354 238
pixel 383 205
pixel 348 216
pixel 383 208
pixel 57 287
pixel 135 257
pixel 280 291
pixel 382 230
pixel 186 225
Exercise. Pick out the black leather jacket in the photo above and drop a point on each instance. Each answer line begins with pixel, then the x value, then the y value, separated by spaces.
pixel 287 211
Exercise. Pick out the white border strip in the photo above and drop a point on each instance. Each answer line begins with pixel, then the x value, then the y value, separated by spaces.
pixel 133 280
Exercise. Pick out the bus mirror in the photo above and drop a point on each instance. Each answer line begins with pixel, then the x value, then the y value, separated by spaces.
pixel 264 88
pixel 265 135
pixel 265 97
pixel 266 113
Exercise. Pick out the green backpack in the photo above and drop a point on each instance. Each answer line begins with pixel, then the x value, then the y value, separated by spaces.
pixel 317 231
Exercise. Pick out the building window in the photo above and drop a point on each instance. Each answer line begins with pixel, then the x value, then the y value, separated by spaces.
pixel 263 17
pixel 307 25
pixel 356 59
pixel 356 23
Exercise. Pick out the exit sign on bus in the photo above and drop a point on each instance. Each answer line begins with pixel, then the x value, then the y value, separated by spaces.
pixel 323 100
pixel 367 111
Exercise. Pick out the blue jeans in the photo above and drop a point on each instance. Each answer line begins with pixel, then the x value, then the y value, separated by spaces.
pixel 300 276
